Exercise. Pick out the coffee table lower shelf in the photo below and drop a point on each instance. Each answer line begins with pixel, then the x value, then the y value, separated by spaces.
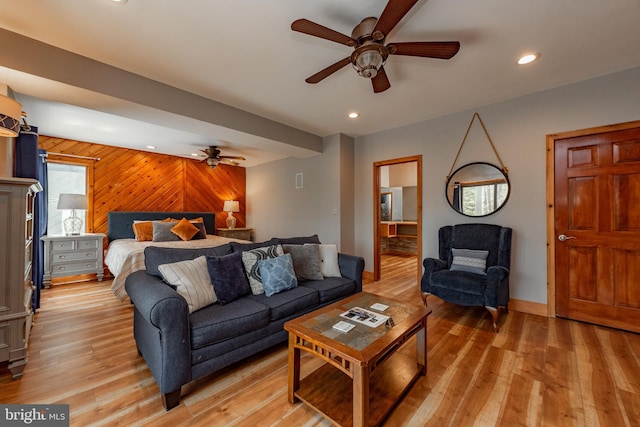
pixel 330 391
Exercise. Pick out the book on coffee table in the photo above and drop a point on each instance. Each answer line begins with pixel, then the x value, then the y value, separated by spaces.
pixel 364 316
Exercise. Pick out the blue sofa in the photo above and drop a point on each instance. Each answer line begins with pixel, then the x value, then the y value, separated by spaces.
pixel 180 347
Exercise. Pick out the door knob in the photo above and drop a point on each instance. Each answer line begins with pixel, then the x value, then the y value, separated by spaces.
pixel 562 237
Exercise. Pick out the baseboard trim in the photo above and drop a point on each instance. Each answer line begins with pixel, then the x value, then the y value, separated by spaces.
pixel 367 275
pixel 528 307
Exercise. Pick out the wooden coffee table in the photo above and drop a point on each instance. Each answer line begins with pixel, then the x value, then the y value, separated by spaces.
pixel 365 375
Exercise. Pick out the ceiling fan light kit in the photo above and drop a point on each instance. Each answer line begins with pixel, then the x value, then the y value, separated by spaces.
pixel 367 38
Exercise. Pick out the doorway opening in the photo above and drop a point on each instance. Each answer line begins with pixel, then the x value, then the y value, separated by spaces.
pixel 397 216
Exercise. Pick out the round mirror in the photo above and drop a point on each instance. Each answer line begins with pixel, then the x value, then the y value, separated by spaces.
pixel 477 189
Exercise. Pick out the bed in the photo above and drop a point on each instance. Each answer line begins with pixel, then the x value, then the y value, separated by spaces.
pixel 125 254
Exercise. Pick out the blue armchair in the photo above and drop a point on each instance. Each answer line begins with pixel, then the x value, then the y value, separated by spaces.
pixel 472 269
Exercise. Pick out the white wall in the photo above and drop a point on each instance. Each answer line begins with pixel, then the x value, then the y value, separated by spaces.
pixel 275 208
pixel 518 129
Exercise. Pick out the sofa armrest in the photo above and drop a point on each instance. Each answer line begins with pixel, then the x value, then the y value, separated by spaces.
pixel 430 265
pixel 161 329
pixel 158 303
pixel 352 267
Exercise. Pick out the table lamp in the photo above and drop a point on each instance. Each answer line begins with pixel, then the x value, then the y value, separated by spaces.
pixel 73 224
pixel 231 206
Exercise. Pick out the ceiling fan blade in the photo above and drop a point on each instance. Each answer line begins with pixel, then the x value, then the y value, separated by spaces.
pixel 229 162
pixel 440 50
pixel 380 82
pixel 323 74
pixel 232 157
pixel 307 27
pixel 391 15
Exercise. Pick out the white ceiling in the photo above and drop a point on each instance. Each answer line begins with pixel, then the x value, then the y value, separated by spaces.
pixel 243 53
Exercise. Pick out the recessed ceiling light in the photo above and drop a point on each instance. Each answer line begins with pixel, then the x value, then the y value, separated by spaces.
pixel 120 1
pixel 354 115
pixel 528 58
pixel 151 147
pixel 195 154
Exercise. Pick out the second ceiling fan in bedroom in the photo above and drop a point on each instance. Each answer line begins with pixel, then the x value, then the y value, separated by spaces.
pixel 214 158
pixel 370 53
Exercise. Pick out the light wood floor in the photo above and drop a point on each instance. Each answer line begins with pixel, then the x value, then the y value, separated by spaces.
pixel 535 372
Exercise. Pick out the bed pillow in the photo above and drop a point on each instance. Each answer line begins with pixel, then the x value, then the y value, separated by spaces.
pixel 143 231
pixel 162 232
pixel 184 229
pixel 473 261
pixel 306 261
pixel 277 274
pixel 329 260
pixel 227 275
pixel 191 280
pixel 202 231
pixel 250 260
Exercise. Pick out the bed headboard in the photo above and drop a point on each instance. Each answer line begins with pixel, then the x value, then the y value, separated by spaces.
pixel 121 223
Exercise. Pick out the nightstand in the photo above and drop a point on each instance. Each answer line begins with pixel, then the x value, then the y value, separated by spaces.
pixel 235 233
pixel 72 256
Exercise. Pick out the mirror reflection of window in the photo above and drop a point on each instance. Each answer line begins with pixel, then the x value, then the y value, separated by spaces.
pixel 477 189
pixel 480 199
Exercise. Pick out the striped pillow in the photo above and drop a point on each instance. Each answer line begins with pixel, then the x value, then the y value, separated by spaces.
pixel 192 281
pixel 473 261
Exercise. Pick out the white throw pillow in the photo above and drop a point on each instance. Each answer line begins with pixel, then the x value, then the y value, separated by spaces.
pixel 329 260
pixel 192 281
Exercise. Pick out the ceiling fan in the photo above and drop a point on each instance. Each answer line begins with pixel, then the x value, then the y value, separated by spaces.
pixel 214 157
pixel 370 52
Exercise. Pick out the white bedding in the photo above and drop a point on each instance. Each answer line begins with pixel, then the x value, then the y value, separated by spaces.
pixel 124 256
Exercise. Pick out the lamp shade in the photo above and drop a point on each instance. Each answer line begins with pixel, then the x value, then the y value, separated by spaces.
pixel 72 201
pixel 231 206
pixel 10 113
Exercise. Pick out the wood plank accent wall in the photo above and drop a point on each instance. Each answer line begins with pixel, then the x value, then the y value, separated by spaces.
pixel 133 180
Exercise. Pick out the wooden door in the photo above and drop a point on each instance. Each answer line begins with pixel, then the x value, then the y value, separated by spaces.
pixel 597 227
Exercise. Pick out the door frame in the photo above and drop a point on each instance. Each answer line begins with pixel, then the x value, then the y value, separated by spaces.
pixel 551 235
pixel 376 211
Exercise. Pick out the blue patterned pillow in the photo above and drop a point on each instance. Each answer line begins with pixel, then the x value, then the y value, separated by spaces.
pixel 250 260
pixel 277 274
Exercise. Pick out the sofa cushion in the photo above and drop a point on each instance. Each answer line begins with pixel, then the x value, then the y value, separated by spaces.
pixel 227 276
pixel 306 261
pixel 191 280
pixel 216 323
pixel 292 301
pixel 298 240
pixel 329 260
pixel 277 274
pixel 155 256
pixel 331 288
pixel 250 260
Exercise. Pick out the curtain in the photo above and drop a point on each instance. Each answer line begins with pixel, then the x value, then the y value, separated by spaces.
pixel 31 163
